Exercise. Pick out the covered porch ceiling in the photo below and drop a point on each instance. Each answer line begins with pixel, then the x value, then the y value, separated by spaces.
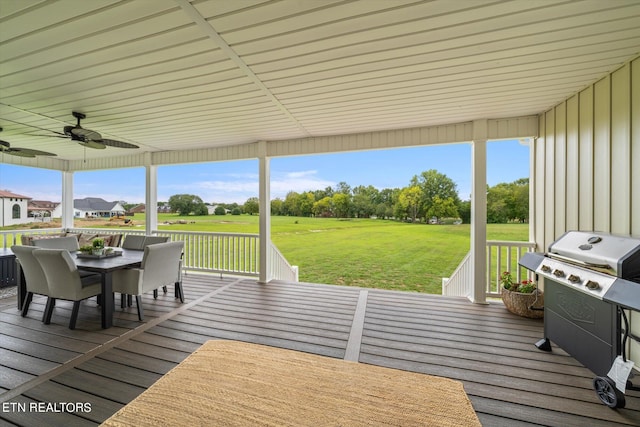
pixel 181 76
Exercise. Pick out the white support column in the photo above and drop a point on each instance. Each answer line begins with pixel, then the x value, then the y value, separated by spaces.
pixel 264 195
pixel 151 198
pixel 532 189
pixel 67 199
pixel 479 212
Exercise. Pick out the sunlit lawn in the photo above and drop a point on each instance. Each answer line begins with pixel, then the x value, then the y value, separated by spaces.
pixel 360 252
pixel 357 252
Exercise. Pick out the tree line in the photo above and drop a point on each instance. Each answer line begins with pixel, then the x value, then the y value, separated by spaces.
pixel 429 196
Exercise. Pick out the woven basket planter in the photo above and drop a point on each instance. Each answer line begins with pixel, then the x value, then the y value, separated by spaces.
pixel 519 303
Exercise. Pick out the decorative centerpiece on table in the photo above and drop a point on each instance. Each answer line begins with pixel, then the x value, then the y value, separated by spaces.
pixel 98 246
pixel 524 298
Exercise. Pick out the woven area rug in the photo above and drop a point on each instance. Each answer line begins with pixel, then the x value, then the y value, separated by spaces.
pixel 227 383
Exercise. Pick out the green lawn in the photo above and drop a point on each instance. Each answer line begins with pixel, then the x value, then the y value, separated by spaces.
pixel 360 252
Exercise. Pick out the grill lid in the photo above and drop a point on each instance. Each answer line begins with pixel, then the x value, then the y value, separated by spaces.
pixel 617 255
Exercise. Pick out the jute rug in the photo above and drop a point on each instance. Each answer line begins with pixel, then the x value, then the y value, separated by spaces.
pixel 227 383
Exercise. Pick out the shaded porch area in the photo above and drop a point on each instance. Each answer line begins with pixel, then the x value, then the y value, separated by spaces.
pixel 490 350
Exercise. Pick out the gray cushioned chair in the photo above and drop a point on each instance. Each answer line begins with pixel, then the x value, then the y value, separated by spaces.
pixel 33 275
pixel 133 241
pixel 160 267
pixel 152 240
pixel 64 281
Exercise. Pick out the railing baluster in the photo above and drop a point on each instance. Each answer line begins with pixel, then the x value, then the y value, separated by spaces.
pixel 211 252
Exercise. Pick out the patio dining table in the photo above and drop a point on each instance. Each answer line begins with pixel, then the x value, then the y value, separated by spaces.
pixel 105 267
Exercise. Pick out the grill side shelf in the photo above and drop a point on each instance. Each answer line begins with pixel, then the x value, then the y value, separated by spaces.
pixel 624 293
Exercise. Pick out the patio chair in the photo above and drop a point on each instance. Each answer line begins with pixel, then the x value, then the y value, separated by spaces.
pixel 152 240
pixel 34 276
pixel 64 281
pixel 69 243
pixel 133 241
pixel 160 267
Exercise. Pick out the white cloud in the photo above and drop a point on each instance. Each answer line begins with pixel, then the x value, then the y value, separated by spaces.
pixel 239 187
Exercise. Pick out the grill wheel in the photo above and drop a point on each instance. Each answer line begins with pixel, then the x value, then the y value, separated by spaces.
pixel 606 390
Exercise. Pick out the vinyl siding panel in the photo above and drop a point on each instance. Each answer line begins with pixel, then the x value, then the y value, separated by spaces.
pixel 602 155
pixel 585 159
pixel 620 151
pixel 550 179
pixel 572 186
pixel 560 174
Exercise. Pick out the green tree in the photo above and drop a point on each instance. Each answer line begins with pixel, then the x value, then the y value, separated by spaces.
pixel 499 198
pixel 251 206
pixel 185 204
pixel 409 201
pixel 364 200
pixel 305 203
pixel 343 188
pixel 465 211
pixel 443 208
pixel 520 209
pixel 341 205
pixel 433 183
pixel 323 207
pixel 277 206
pixel 291 205
pixel 220 210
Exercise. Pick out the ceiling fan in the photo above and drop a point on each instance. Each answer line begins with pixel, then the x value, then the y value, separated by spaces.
pixel 89 138
pixel 5 147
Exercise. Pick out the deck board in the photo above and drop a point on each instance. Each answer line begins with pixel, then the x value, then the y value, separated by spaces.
pixel 509 381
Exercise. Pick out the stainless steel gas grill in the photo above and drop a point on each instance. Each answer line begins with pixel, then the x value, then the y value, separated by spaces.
pixel 590 278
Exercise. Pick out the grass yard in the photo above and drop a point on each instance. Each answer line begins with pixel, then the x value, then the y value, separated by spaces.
pixel 361 252
pixel 357 252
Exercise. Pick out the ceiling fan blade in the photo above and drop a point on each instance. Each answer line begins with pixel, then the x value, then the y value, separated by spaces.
pixel 28 152
pixel 5 147
pixel 86 134
pixel 91 144
pixel 118 144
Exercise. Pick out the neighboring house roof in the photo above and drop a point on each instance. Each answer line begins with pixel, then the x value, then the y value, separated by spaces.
pixel 93 204
pixel 44 205
pixel 9 195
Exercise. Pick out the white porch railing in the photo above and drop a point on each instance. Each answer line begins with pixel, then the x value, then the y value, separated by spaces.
pixel 501 256
pixel 230 253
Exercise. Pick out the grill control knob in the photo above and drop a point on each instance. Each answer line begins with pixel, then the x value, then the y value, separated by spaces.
pixel 591 285
pixel 546 268
pixel 558 273
pixel 574 279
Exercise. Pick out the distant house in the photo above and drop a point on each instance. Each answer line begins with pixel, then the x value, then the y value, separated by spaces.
pixel 41 208
pixel 137 209
pixel 92 207
pixel 212 209
pixel 13 208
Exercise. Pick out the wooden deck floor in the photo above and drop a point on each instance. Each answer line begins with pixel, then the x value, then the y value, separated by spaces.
pixel 491 351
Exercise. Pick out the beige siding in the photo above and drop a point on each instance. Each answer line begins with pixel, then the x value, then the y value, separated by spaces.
pixel 539 160
pixel 572 185
pixel 620 152
pixel 560 133
pixel 550 179
pixel 591 179
pixel 585 161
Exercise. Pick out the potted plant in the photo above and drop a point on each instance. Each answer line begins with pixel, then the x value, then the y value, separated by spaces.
pixel 524 298
pixel 98 246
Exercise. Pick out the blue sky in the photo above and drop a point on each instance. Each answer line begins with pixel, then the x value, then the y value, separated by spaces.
pixel 228 182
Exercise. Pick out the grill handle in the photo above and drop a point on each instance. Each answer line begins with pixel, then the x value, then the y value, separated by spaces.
pixel 578 262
